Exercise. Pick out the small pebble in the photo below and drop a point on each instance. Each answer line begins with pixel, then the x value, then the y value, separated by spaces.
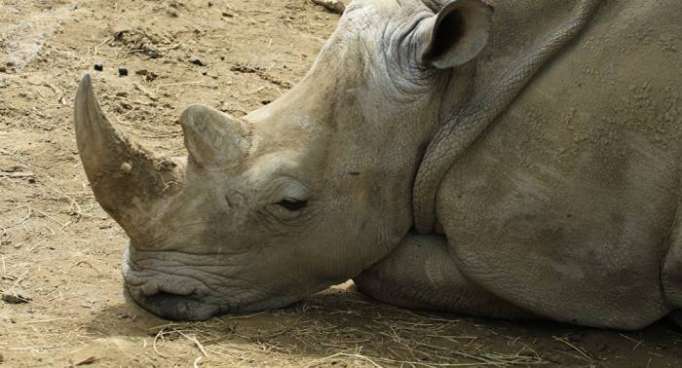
pixel 126 167
pixel 196 61
pixel 122 72
pixel 148 76
pixel 15 297
pixel 151 76
pixel 99 67
pixel 334 6
pixel 3 69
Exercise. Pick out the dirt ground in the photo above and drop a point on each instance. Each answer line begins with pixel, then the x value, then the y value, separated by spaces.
pixel 60 253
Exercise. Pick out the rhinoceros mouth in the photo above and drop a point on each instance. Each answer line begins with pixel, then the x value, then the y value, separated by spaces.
pixel 176 307
pixel 195 307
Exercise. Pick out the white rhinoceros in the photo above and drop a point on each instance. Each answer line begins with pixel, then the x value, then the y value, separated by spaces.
pixel 516 163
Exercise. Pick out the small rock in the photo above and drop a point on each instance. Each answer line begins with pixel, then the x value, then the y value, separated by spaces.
pixel 87 361
pixel 151 76
pixel 122 94
pixel 196 61
pixel 126 168
pixel 3 69
pixel 172 13
pixel 122 72
pixel 210 4
pixel 15 297
pixel 2 358
pixel 227 15
pixel 334 6
pixel 10 64
pixel 148 76
pixel 99 67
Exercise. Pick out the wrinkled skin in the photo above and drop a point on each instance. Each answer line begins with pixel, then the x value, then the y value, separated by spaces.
pixel 548 214
pixel 233 237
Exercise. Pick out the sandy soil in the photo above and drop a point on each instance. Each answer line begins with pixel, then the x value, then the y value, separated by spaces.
pixel 60 253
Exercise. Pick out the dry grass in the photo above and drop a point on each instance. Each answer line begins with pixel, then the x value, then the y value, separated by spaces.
pixel 396 338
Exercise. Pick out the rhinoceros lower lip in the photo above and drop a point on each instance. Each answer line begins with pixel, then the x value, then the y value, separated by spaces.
pixel 176 307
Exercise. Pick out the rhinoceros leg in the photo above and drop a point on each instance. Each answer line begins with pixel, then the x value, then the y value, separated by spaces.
pixel 672 273
pixel 420 274
pixel 676 317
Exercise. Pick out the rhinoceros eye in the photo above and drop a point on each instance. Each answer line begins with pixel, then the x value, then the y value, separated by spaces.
pixel 292 205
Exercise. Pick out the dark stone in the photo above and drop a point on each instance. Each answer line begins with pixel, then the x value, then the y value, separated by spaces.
pixel 196 61
pixel 15 297
pixel 122 72
pixel 99 67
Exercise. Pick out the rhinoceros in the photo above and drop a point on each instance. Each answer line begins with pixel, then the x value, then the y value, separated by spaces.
pixel 506 159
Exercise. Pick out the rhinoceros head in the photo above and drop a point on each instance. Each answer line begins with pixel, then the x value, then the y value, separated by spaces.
pixel 300 194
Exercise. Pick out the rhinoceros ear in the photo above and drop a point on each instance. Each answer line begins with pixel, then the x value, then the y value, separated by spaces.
pixel 213 139
pixel 456 35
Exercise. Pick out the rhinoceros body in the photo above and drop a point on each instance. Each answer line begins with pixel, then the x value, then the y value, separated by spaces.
pixel 535 177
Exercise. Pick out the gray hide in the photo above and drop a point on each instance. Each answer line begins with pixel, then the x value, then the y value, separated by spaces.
pixel 535 178
pixel 566 206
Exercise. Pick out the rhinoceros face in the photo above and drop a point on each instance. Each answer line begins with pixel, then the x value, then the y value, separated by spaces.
pixel 305 192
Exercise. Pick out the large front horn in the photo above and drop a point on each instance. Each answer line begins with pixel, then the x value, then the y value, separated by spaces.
pixel 129 182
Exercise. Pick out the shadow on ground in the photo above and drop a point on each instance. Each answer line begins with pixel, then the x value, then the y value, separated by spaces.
pixel 341 326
